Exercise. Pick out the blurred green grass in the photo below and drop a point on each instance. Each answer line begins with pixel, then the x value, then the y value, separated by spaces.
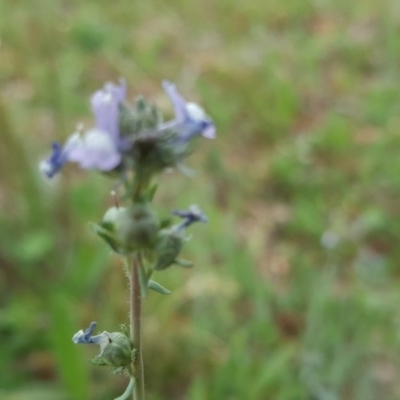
pixel 295 291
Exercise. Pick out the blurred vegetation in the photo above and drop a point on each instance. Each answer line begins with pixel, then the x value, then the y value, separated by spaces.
pixel 295 293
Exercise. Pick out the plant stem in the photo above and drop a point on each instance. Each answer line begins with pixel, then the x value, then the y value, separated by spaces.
pixel 136 327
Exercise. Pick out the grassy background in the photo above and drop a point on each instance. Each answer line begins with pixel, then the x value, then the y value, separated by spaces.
pixel 295 293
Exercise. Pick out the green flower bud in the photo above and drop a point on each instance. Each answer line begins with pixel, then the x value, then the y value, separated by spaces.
pixel 168 247
pixel 136 227
pixel 152 153
pixel 117 353
pixel 128 229
pixel 148 115
pixel 111 215
pixel 143 116
pixel 128 121
pixel 106 229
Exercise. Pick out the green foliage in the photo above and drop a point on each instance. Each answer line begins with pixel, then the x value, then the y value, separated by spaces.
pixel 294 293
pixel 71 368
pixel 153 285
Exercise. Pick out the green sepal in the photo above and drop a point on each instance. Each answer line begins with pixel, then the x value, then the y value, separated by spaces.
pixel 107 235
pixel 98 360
pixel 141 104
pixel 153 285
pixel 147 114
pixel 128 124
pixel 184 263
pixel 168 247
pixel 117 353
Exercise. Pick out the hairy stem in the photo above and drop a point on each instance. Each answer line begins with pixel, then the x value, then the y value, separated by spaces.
pixel 136 327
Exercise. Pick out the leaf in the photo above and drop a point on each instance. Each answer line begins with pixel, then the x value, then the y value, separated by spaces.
pixel 98 360
pixel 34 246
pixel 184 263
pixel 143 281
pixel 151 192
pixel 165 222
pixel 274 367
pixel 107 236
pixel 153 285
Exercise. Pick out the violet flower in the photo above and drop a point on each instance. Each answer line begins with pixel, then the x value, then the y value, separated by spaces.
pixel 98 148
pixel 115 348
pixel 85 337
pixel 194 214
pixel 190 119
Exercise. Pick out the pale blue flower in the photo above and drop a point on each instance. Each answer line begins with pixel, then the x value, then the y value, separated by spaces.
pixel 98 148
pixel 190 119
pixel 115 348
pixel 85 337
pixel 190 216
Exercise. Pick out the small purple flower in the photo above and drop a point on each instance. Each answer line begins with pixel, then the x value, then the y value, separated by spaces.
pixel 98 148
pixel 190 118
pixel 105 106
pixel 115 348
pixel 194 214
pixel 85 337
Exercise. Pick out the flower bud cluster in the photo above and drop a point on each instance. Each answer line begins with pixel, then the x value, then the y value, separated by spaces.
pixel 170 241
pixel 137 228
pixel 130 137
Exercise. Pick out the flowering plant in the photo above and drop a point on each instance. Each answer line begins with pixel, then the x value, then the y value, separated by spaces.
pixel 133 143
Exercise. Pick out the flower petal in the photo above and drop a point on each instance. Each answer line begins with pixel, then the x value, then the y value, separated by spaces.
pixel 94 150
pixel 55 162
pixel 190 216
pixel 190 118
pixel 177 101
pixel 105 105
pixel 85 337
pixel 209 131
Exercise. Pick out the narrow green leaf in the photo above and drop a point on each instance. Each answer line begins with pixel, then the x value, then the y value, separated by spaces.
pixel 165 222
pixel 184 263
pixel 151 192
pixel 106 235
pixel 153 285
pixel 274 367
